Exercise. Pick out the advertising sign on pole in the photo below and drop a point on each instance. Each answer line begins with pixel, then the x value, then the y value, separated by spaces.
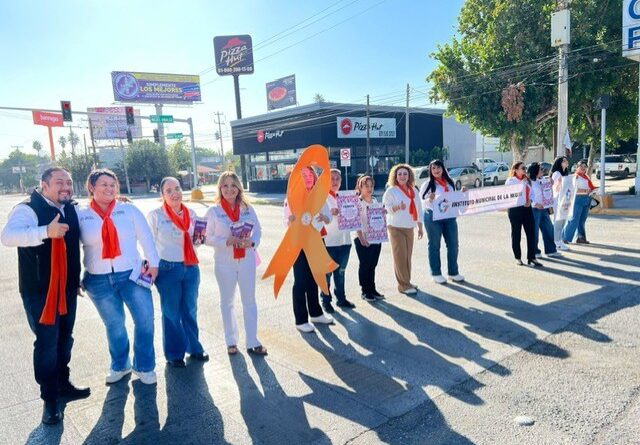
pixel 155 88
pixel 47 119
pixel 111 123
pixel 356 127
pixel 345 157
pixel 281 93
pixel 234 55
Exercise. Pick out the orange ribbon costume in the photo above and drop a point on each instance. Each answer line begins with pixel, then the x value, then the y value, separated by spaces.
pixel 301 235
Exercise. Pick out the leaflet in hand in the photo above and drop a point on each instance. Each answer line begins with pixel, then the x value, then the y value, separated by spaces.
pixel 546 186
pixel 377 224
pixel 140 277
pixel 241 229
pixel 349 208
pixel 199 231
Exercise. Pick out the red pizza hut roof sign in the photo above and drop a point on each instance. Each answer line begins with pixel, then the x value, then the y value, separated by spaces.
pixel 234 55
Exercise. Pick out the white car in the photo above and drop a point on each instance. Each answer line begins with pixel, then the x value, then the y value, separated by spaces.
pixel 495 174
pixel 617 165
pixel 487 162
pixel 421 174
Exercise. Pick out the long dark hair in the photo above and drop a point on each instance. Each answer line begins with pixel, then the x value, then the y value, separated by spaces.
pixel 557 166
pixel 431 185
pixel 533 171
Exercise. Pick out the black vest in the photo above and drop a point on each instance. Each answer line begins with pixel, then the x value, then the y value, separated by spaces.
pixel 34 263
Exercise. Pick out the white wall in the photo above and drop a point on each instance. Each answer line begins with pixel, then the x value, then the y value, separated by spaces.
pixel 460 140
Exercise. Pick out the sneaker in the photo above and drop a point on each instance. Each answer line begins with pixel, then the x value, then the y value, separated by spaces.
pixel 345 304
pixel 410 291
pixel 457 278
pixel 116 376
pixel 305 327
pixel 554 255
pixel 328 308
pixel 534 263
pixel 369 297
pixel 519 263
pixel 581 240
pixel 562 246
pixel 148 378
pixel 322 319
pixel 378 295
pixel 439 279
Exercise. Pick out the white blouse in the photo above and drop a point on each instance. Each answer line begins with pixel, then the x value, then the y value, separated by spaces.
pixel 513 180
pixel 426 204
pixel 168 237
pixel 219 230
pixel 365 222
pixel 401 218
pixel 334 236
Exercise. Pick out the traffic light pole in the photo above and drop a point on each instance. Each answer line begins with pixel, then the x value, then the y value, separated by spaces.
pixel 243 162
pixel 193 154
pixel 160 127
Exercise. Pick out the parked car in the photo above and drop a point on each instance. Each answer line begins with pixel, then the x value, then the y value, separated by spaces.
pixel 634 158
pixel 487 161
pixel 496 174
pixel 617 165
pixel 465 177
pixel 421 174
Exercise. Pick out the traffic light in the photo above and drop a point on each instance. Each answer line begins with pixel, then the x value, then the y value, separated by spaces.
pixel 65 105
pixel 156 136
pixel 129 112
pixel 129 137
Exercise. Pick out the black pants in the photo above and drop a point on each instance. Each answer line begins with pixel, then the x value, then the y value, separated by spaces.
pixel 522 217
pixel 52 348
pixel 305 291
pixel 368 257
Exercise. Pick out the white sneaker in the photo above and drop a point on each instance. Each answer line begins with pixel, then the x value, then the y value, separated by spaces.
pixel 116 376
pixel 538 255
pixel 148 378
pixel 554 255
pixel 410 291
pixel 322 319
pixel 439 279
pixel 564 247
pixel 305 327
pixel 457 278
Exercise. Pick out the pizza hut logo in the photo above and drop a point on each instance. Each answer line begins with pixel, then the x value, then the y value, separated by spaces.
pixel 264 135
pixel 346 126
pixel 260 136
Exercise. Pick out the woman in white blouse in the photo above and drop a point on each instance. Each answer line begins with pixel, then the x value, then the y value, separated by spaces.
pixel 178 280
pixel 577 222
pixel 234 232
pixel 404 207
pixel 559 170
pixel 110 232
pixel 541 218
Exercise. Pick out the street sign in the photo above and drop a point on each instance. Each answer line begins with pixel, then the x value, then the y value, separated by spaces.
pixel 161 118
pixel 175 136
pixel 345 157
pixel 18 169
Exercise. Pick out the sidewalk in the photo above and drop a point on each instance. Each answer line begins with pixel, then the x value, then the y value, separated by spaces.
pixel 623 205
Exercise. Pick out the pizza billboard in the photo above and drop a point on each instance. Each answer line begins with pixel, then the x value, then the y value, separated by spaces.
pixel 281 93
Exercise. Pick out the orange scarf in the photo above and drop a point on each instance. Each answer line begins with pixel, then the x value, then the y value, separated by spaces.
pixel 234 216
pixel 57 294
pixel 411 194
pixel 190 258
pixel 443 183
pixel 110 241
pixel 334 194
pixel 527 188
pixel 584 176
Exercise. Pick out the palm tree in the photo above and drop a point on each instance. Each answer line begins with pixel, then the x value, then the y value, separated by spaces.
pixel 73 140
pixel 318 98
pixel 37 146
pixel 63 142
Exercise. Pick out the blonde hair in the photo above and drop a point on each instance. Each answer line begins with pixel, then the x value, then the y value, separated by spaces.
pixel 392 182
pixel 241 198
pixel 362 180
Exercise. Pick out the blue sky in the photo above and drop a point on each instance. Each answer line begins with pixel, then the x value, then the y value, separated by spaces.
pixel 67 50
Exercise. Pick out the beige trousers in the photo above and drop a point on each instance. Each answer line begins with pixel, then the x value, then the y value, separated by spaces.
pixel 402 248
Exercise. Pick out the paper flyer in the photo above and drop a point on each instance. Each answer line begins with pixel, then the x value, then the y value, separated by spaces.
pixel 349 211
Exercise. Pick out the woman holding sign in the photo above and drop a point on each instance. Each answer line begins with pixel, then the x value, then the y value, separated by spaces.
pixel 584 189
pixel 440 182
pixel 541 219
pixel 559 171
pixel 403 206
pixel 522 217
pixel 234 232
pixel 178 280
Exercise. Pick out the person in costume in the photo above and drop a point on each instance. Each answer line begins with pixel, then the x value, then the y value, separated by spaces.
pixel 178 280
pixel 403 206
pixel 584 189
pixel 45 230
pixel 440 182
pixel 110 232
pixel 234 231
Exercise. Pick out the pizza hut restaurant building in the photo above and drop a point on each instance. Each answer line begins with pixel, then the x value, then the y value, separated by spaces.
pixel 272 142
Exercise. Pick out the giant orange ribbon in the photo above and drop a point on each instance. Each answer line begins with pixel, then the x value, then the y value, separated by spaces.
pixel 301 235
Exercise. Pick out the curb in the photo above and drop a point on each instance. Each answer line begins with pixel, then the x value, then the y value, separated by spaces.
pixel 617 212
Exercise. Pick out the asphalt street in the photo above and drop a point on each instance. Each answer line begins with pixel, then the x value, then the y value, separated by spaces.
pixel 456 364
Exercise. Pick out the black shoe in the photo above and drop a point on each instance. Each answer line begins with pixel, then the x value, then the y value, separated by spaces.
pixel 71 392
pixel 176 363
pixel 534 263
pixel 368 297
pixel 378 295
pixel 201 357
pixel 346 304
pixel 50 413
pixel 328 308
pixel 519 263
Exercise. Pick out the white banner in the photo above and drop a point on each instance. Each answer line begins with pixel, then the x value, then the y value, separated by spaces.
pixel 356 127
pixel 566 198
pixel 488 199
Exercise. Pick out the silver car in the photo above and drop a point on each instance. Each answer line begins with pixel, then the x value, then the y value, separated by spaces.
pixel 496 174
pixel 465 177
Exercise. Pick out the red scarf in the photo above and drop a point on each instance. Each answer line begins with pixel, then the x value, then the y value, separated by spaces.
pixel 57 294
pixel 443 183
pixel 584 176
pixel 190 258
pixel 334 194
pixel 527 189
pixel 234 216
pixel 110 241
pixel 411 194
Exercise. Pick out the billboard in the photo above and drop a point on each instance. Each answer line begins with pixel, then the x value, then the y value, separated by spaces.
pixel 47 119
pixel 155 88
pixel 281 92
pixel 234 55
pixel 356 127
pixel 111 123
pixel 631 29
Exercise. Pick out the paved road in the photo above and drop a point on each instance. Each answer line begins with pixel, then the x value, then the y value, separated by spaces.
pixel 453 365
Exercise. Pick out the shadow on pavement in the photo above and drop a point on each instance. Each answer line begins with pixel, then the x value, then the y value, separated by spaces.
pixel 46 434
pixel 108 428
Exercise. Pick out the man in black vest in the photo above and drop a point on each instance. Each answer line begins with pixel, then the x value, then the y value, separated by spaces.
pixel 43 227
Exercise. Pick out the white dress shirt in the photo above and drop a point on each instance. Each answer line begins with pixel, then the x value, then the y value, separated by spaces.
pixel 401 218
pixel 365 222
pixel 219 230
pixel 168 237
pixel 426 204
pixel 334 236
pixel 318 225
pixel 22 229
pixel 132 229
pixel 536 193
pixel 513 180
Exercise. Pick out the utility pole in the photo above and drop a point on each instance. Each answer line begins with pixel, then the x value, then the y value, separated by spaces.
pixel 193 155
pixel 406 130
pixel 124 165
pixel 18 147
pixel 160 127
pixel 369 167
pixel 219 122
pixel 93 144
pixel 561 37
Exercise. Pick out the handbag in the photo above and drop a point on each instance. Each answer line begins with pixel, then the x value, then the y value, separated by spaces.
pixel 593 203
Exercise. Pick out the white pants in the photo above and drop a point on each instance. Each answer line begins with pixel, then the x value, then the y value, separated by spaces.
pixel 241 273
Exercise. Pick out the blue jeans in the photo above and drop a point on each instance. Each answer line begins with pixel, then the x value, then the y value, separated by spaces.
pixel 543 224
pixel 110 292
pixel 178 288
pixel 339 254
pixel 578 219
pixel 436 230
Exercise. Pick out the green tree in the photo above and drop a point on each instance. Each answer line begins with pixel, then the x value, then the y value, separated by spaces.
pixel 62 141
pixel 79 167
pixel 73 140
pixel 147 161
pixel 179 157
pixel 318 98
pixel 37 146
pixel 26 162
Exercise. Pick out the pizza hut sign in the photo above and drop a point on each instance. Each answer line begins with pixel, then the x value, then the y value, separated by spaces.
pixel 356 127
pixel 265 135
pixel 234 55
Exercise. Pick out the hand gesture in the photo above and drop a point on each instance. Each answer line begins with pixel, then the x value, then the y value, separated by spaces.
pixel 335 212
pixel 153 271
pixel 57 229
pixel 432 196
pixel 403 205
pixel 322 218
pixel 420 232
pixel 234 241
pixel 292 218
